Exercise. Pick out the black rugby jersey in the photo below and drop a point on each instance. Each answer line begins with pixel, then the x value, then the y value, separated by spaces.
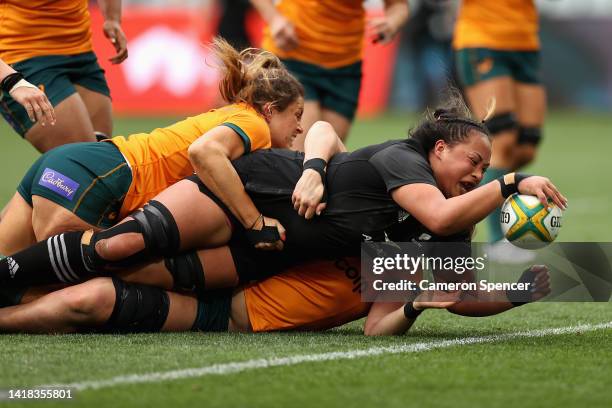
pixel 358 184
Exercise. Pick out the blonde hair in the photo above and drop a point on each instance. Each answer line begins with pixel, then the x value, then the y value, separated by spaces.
pixel 255 77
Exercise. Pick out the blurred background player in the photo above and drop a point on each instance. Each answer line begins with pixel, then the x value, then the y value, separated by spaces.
pixel 49 43
pixel 232 23
pixel 321 43
pixel 498 56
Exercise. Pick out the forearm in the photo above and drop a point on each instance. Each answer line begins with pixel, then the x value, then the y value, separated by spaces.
pixel 394 323
pixel 217 173
pixel 488 304
pixel 266 9
pixel 111 10
pixel 322 142
pixel 397 12
pixel 462 212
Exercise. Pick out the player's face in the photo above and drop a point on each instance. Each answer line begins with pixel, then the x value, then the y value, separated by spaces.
pixel 462 166
pixel 286 125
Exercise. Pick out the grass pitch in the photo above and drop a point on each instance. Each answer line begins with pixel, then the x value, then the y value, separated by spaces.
pixel 570 369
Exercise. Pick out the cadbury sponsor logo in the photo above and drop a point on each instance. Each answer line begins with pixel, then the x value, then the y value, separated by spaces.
pixel 58 183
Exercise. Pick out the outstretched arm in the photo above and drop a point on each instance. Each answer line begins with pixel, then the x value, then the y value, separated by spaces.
pixel 489 302
pixel 447 216
pixel 396 318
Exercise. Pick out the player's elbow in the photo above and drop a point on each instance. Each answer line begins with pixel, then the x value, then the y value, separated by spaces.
pixel 321 129
pixel 440 226
pixel 323 126
pixel 202 151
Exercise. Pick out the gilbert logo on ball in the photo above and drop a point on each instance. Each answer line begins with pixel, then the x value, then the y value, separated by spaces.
pixel 527 223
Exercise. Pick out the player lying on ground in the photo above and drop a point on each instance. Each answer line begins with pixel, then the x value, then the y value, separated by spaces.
pixel 433 176
pixel 95 185
pixel 316 295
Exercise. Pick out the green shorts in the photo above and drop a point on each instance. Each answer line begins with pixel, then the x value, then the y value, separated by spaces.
pixel 88 179
pixel 479 64
pixel 336 89
pixel 56 75
pixel 214 310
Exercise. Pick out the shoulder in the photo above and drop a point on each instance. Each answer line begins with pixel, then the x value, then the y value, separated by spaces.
pixel 250 126
pixel 401 163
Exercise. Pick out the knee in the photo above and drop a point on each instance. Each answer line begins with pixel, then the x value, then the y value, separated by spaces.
pixel 93 300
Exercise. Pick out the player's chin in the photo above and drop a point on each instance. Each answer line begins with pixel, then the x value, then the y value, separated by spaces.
pixel 464 187
pixel 458 189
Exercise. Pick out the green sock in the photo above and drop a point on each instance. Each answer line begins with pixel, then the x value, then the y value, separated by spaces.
pixel 494 227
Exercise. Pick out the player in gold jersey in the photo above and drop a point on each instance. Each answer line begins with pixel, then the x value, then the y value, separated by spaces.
pixel 49 44
pixel 94 185
pixel 321 42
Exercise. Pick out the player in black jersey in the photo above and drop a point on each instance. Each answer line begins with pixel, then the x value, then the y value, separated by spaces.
pixel 433 176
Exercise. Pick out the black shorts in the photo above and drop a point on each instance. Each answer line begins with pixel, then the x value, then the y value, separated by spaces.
pixel 252 264
pixel 269 178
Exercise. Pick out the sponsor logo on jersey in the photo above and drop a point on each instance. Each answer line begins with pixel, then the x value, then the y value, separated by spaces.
pixel 484 66
pixel 57 182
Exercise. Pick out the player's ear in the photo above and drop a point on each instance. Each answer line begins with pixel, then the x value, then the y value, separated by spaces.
pixel 439 148
pixel 267 111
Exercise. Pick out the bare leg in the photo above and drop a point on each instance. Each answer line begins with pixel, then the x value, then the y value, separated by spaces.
pixel 16 231
pixel 99 108
pixel 201 223
pixel 531 110
pixel 341 124
pixel 85 306
pixel 479 96
pixel 49 218
pixel 217 263
pixel 72 125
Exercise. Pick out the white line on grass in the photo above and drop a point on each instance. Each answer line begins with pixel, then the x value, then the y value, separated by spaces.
pixel 237 367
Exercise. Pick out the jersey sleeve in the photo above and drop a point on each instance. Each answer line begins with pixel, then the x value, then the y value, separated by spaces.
pixel 398 165
pixel 252 129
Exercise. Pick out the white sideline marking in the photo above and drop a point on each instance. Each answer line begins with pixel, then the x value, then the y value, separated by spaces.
pixel 237 367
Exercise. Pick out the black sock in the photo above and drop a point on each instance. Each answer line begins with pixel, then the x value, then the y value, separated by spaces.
pixel 54 260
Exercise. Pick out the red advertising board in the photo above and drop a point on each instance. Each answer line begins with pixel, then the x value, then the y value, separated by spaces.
pixel 169 69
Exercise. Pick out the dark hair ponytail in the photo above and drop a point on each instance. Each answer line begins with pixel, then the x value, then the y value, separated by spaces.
pixel 451 123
